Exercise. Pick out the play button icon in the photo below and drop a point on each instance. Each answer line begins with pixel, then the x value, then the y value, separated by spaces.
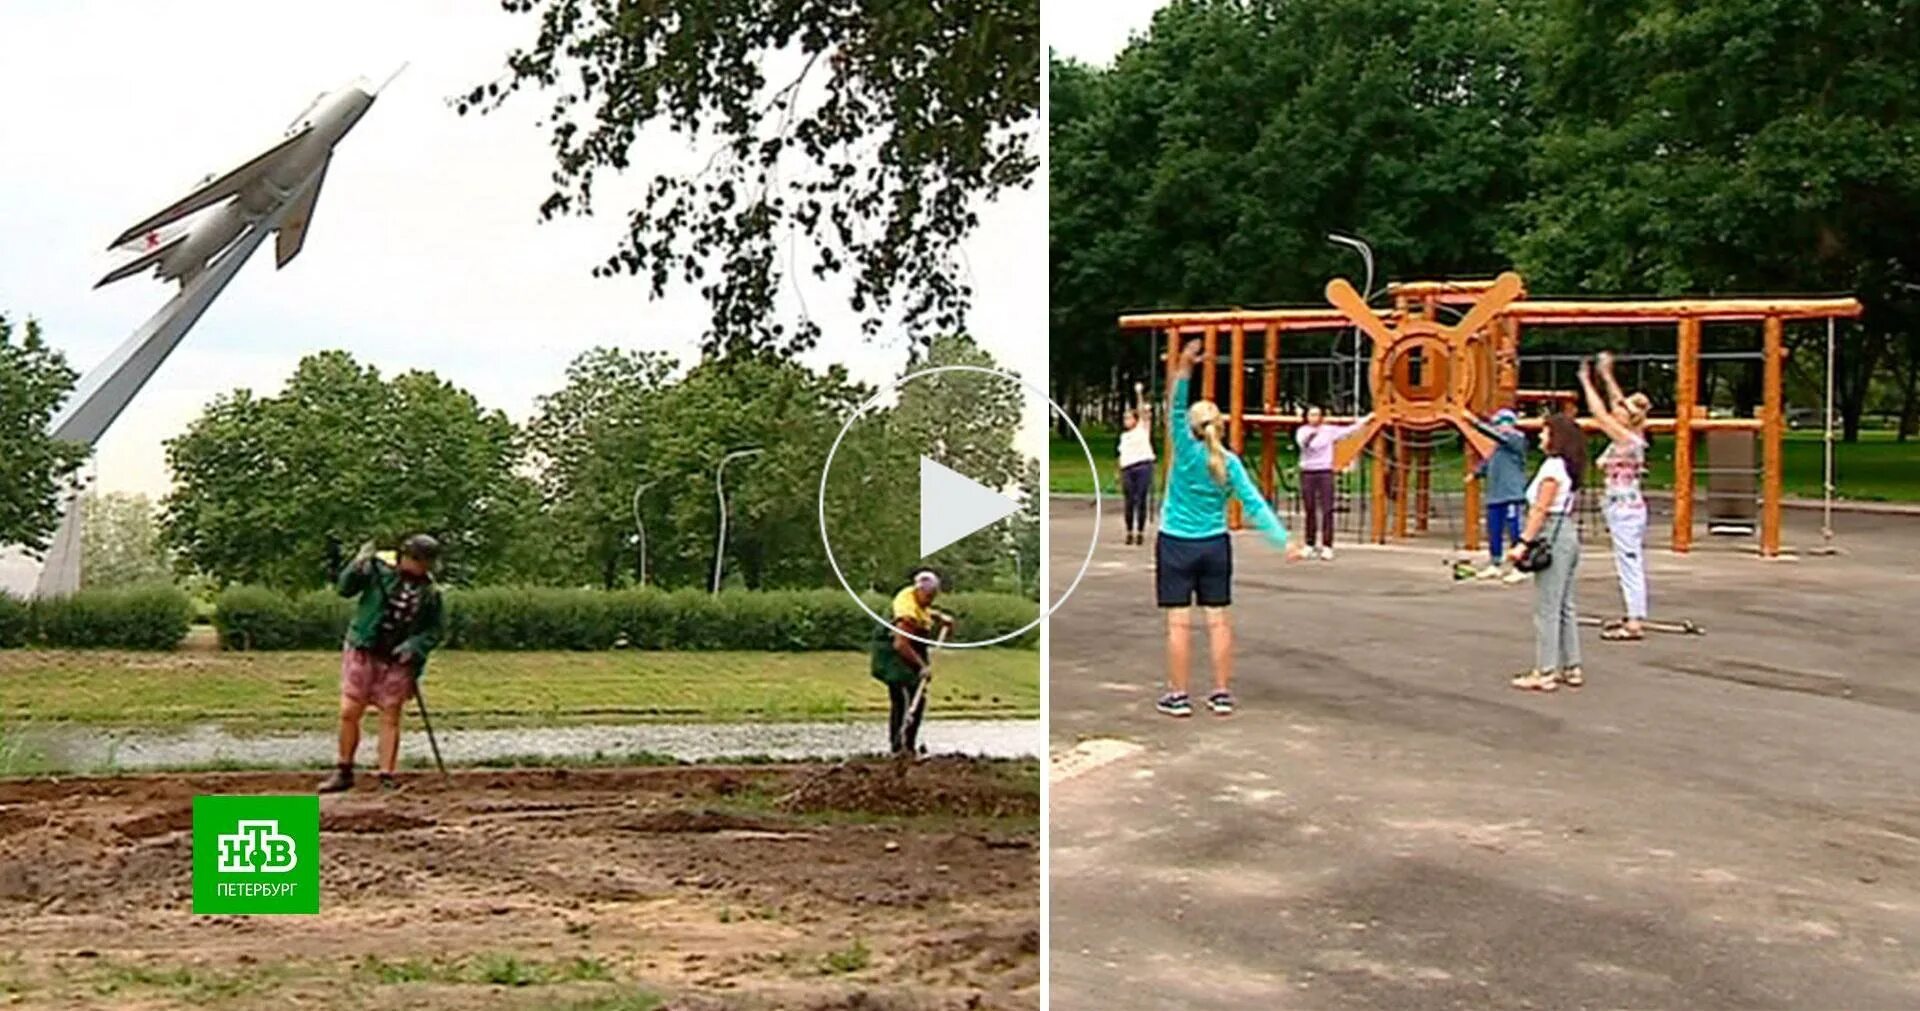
pixel 953 506
pixel 976 438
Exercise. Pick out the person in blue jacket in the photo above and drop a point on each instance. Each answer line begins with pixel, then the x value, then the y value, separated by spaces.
pixel 1504 476
pixel 1193 555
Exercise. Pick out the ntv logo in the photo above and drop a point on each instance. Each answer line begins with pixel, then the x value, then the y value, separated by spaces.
pixel 257 847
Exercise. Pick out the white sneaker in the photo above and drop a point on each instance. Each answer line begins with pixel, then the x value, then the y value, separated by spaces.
pixel 1326 554
pixel 1490 572
pixel 1516 576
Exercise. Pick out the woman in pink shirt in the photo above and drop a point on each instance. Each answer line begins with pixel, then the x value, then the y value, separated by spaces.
pixel 1624 418
pixel 1317 439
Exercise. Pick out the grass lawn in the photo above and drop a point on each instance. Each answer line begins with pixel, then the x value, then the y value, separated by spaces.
pixel 274 691
pixel 1878 468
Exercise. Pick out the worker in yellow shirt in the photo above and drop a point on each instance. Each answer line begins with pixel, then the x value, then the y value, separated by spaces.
pixel 901 662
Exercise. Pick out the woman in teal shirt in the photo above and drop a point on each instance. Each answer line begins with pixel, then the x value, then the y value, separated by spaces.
pixel 1193 556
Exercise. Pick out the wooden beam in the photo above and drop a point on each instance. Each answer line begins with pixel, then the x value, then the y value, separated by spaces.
pixel 1773 414
pixel 1322 318
pixel 1658 425
pixel 1721 310
pixel 1547 311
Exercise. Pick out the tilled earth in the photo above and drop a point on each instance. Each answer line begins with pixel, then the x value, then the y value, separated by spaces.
pixel 861 885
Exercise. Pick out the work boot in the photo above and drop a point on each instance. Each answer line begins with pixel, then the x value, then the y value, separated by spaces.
pixel 340 782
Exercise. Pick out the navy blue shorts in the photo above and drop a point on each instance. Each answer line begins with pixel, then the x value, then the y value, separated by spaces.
pixel 1186 571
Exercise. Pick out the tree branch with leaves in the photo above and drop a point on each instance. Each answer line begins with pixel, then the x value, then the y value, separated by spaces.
pixel 888 121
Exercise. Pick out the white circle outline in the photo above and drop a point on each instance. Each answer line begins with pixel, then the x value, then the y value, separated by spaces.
pixel 827 468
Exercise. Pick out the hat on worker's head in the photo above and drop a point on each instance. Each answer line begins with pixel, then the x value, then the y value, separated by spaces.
pixel 1505 416
pixel 421 547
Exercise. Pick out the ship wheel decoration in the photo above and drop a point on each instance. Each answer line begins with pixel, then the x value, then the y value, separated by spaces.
pixel 1426 375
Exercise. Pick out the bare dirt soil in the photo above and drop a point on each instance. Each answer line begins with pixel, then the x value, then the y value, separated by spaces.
pixel 796 886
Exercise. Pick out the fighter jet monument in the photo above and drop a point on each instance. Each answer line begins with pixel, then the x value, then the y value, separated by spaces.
pixel 200 241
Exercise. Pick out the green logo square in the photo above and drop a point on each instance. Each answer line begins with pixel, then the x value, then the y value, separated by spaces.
pixel 256 854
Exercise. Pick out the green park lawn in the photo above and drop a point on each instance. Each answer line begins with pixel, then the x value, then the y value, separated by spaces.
pixel 1878 468
pixel 246 692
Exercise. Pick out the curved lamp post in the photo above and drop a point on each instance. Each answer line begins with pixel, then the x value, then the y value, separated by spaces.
pixel 641 525
pixel 720 491
pixel 1366 254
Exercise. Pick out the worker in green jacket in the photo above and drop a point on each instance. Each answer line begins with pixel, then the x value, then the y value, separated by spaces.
pixel 400 618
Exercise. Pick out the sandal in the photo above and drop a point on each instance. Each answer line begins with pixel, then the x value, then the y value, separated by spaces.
pixel 1621 633
pixel 1572 678
pixel 1535 681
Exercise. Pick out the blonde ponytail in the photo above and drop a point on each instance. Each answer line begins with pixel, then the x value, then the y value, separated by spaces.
pixel 1204 419
pixel 1216 454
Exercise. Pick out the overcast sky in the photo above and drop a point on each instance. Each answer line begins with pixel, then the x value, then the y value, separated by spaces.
pixel 425 251
pixel 1094 31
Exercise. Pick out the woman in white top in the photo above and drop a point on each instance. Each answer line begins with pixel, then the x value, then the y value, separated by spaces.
pixel 1624 419
pixel 1136 463
pixel 1551 524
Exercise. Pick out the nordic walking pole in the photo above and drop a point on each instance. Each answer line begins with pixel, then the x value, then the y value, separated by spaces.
pixel 421 698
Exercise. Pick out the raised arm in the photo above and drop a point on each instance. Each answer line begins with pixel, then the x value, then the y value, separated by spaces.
pixel 1254 504
pixel 1181 437
pixel 1614 396
pixel 1601 411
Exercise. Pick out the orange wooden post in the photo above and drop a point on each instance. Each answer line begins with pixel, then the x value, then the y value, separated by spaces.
pixel 1686 393
pixel 1473 505
pixel 1423 480
pixel 1236 416
pixel 1772 419
pixel 1379 516
pixel 1400 496
pixel 1506 363
pixel 1270 404
pixel 1210 349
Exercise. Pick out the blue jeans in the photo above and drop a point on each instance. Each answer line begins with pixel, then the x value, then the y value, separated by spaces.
pixel 1503 528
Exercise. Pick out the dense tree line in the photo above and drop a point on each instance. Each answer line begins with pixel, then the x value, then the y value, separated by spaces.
pixel 1642 147
pixel 631 442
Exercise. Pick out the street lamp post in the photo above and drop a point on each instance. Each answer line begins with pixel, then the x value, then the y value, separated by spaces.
pixel 720 491
pixel 1366 254
pixel 641 525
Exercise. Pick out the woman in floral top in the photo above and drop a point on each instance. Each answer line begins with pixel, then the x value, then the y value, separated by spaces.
pixel 1624 419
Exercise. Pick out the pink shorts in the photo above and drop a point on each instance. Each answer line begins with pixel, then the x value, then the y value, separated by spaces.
pixel 365 678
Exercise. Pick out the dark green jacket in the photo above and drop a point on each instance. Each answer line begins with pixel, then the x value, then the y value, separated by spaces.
pixel 887 665
pixel 372 583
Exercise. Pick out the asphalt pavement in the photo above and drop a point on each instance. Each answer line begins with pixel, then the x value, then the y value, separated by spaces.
pixel 1719 821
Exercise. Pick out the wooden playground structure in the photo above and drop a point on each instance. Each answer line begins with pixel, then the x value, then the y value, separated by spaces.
pixel 1430 376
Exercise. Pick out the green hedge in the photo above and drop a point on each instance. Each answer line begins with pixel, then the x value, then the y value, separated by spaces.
pixel 250 617
pixel 138 617
pixel 16 622
pixel 533 618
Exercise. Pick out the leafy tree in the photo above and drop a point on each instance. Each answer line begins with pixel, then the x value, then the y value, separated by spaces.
pixel 880 127
pixel 34 469
pixel 262 483
pixel 590 444
pixel 1757 145
pixel 122 542
pixel 966 421
pixel 1206 166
